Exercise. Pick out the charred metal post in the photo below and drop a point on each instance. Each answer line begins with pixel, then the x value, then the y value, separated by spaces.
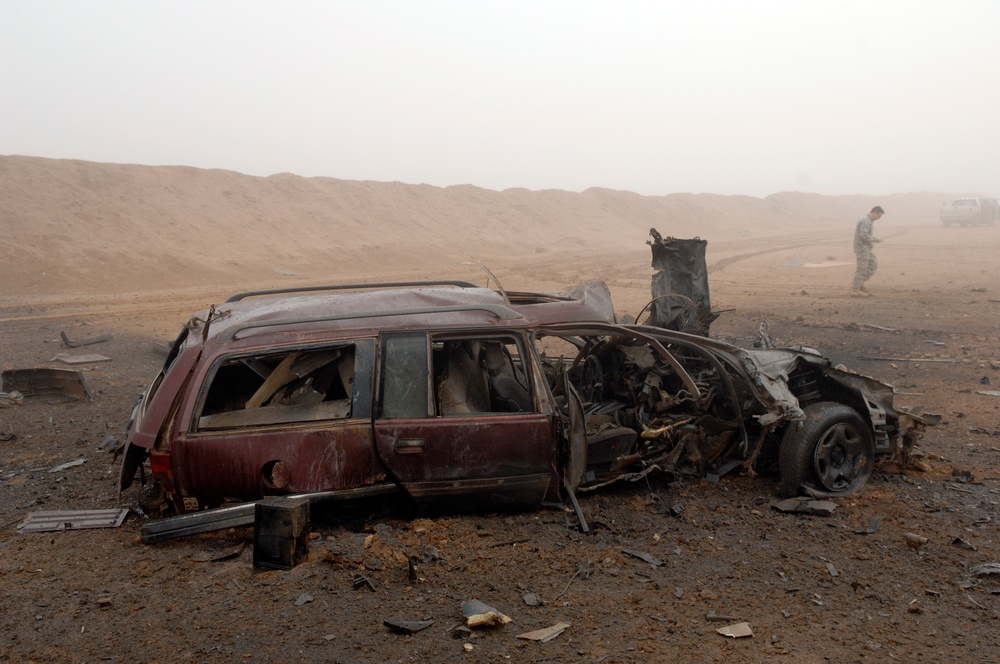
pixel 680 288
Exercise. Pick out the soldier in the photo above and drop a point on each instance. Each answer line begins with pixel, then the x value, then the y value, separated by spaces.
pixel 864 249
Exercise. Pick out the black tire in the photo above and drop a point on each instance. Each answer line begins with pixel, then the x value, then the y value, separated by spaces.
pixel 831 451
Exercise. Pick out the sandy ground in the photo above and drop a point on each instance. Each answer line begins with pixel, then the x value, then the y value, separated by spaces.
pixel 814 589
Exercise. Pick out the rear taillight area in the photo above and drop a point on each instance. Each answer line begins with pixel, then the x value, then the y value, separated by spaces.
pixel 162 468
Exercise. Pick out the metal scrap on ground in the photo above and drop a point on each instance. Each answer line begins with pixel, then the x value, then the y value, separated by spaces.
pixel 88 358
pixel 69 464
pixel 100 338
pixel 407 626
pixel 986 569
pixel 40 522
pixel 54 385
pixel 546 634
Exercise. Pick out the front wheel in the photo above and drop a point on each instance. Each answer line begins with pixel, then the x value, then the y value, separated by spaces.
pixel 831 451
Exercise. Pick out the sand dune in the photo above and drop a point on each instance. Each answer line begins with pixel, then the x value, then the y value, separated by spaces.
pixel 76 226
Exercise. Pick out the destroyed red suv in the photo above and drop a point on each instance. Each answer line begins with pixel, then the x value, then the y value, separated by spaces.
pixel 458 395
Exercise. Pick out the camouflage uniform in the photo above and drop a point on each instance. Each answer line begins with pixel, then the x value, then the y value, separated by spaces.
pixel 864 243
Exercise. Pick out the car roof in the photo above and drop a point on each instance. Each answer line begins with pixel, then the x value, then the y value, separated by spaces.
pixel 395 306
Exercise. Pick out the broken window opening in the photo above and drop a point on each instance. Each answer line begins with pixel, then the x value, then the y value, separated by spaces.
pixel 479 375
pixel 302 385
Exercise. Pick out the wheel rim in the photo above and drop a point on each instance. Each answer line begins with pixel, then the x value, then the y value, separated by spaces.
pixel 840 459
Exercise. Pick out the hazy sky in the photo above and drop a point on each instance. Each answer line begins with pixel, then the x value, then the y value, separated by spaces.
pixel 729 97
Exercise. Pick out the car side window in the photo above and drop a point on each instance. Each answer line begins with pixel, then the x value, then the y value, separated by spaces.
pixel 449 375
pixel 479 375
pixel 404 380
pixel 297 385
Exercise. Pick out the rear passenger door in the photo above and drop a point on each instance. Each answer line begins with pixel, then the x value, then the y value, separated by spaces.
pixel 458 418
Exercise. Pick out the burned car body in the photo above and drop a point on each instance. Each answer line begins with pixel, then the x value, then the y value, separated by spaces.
pixel 457 396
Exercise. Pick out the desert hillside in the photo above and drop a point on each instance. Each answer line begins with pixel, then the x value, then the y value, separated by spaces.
pixel 75 226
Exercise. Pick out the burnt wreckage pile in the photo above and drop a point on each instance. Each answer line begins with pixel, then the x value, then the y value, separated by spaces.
pixel 452 394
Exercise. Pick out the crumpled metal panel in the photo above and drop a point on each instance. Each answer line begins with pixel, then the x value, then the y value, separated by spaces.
pixel 52 385
pixel 42 522
pixel 680 288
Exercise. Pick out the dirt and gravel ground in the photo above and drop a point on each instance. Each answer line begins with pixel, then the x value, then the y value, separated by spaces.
pixel 813 588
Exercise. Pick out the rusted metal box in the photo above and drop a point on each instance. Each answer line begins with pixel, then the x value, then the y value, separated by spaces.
pixel 281 532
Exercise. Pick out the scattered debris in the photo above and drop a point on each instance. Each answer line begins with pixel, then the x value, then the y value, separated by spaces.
pixel 430 555
pixel 879 327
pixel 52 385
pixel 831 569
pixel 460 631
pixel 407 626
pixel 988 432
pixel 736 631
pixel 645 557
pixel 915 541
pixel 805 505
pixel 962 475
pixel 674 510
pixel 478 614
pixel 545 635
pixel 88 358
pixel 964 543
pixel 531 599
pixel 986 569
pixel 100 338
pixel 975 603
pixel 216 556
pixel 712 616
pixel 41 522
pixel 872 528
pixel 8 399
pixel 362 581
pixel 583 571
pixel 989 393
pixel 69 464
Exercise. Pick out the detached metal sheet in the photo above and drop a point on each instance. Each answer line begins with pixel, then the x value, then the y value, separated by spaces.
pixel 53 385
pixel 41 522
